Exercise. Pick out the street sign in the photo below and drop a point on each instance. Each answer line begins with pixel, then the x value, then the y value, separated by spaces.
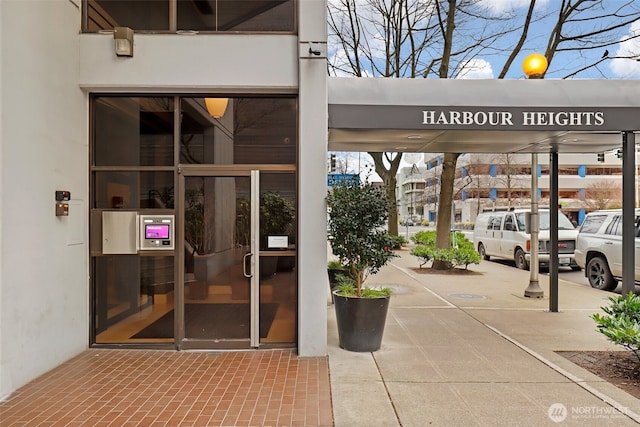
pixel 334 179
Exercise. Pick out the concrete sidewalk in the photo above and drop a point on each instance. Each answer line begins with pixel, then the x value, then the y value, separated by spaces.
pixel 471 350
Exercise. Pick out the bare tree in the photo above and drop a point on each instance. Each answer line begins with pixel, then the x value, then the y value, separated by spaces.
pixel 603 195
pixel 510 174
pixel 445 38
pixel 410 39
pixel 586 25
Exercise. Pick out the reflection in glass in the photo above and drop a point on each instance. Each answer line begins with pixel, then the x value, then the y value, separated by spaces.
pixel 278 280
pixel 233 15
pixel 133 131
pixel 197 15
pixel 132 292
pixel 216 291
pixel 133 190
pixel 147 15
pixel 251 131
pixel 132 142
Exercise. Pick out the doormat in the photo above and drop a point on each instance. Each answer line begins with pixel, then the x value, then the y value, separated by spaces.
pixel 212 321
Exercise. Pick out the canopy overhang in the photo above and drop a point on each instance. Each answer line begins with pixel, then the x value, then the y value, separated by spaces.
pixel 482 116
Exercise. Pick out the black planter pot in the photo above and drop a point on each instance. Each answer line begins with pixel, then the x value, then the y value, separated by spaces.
pixel 360 322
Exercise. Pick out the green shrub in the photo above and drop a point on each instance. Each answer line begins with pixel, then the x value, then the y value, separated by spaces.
pixel 465 256
pixel 425 254
pixel 462 252
pixel 425 237
pixel 446 256
pixel 621 325
pixel 398 241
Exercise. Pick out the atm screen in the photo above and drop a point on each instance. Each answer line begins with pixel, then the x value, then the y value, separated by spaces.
pixel 156 231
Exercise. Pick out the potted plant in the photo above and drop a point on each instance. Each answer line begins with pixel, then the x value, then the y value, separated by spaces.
pixel 357 214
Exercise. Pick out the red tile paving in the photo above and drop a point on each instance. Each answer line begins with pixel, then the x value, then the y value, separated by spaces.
pixel 176 388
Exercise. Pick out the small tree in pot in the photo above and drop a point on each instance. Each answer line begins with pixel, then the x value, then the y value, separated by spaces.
pixel 357 215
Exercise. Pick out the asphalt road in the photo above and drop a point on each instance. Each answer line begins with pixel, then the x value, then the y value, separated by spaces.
pixel 565 274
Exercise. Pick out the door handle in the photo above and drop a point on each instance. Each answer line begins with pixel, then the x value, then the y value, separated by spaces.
pixel 244 265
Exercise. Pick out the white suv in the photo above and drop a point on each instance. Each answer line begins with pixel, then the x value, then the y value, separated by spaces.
pixel 599 248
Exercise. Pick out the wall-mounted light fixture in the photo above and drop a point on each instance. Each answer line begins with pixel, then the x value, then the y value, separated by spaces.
pixel 123 38
pixel 216 106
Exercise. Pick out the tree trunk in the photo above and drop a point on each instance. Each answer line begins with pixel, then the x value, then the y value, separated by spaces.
pixel 443 226
pixel 388 176
pixel 393 209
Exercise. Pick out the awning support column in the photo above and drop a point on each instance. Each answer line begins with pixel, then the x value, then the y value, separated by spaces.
pixel 534 290
pixel 553 232
pixel 628 210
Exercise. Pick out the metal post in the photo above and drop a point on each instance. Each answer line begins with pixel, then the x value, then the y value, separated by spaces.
pixel 553 232
pixel 534 290
pixel 628 212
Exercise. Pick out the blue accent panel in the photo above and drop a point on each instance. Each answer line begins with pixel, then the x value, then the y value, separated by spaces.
pixel 463 195
pixel 581 214
pixel 539 170
pixel 493 170
pixel 539 193
pixel 464 172
pixel 440 160
pixel 582 193
pixel 582 171
pixel 334 179
pixel 493 194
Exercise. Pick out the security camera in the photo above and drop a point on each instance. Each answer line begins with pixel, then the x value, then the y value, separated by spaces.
pixel 313 51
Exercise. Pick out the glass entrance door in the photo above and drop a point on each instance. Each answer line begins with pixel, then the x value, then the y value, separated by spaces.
pixel 219 305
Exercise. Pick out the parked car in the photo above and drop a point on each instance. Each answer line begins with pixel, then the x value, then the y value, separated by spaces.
pixel 599 248
pixel 502 234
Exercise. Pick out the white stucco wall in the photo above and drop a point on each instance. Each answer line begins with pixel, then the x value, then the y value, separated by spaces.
pixel 44 314
pixel 191 63
pixel 2 370
pixel 312 237
pixel 46 75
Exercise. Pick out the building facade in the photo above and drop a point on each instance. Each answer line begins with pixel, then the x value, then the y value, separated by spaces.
pixel 492 181
pixel 105 126
pixel 162 161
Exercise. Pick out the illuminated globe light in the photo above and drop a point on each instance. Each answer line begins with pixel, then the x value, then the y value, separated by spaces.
pixel 535 65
